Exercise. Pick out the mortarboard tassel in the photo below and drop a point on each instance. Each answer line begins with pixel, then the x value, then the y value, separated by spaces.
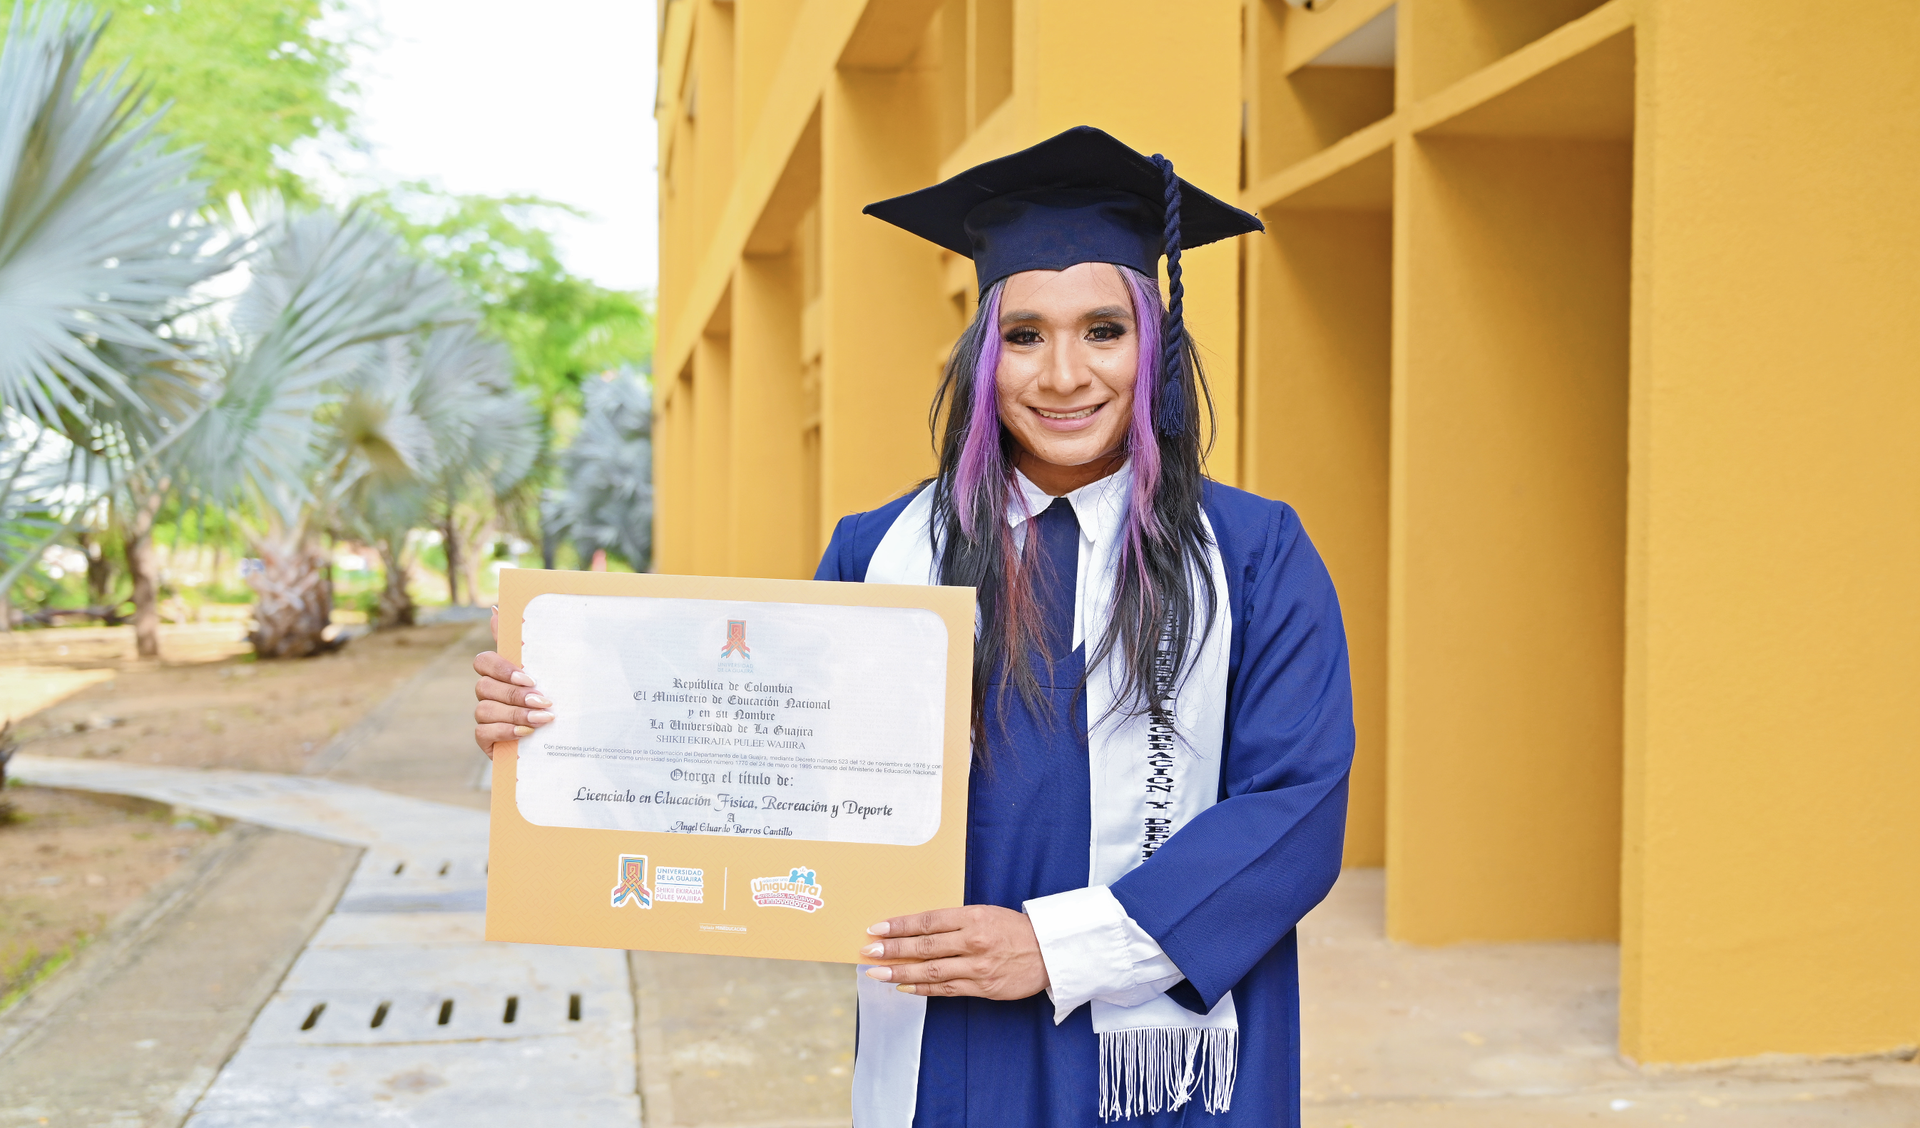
pixel 1170 413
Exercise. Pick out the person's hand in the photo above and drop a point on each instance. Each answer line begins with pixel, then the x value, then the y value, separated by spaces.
pixel 508 707
pixel 981 950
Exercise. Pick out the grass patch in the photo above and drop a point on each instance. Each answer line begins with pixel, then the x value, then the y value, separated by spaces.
pixel 28 969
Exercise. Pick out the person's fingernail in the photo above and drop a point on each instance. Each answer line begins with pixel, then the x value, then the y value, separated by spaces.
pixel 873 950
pixel 537 701
pixel 522 730
pixel 906 988
pixel 883 974
pixel 520 678
pixel 539 717
pixel 880 929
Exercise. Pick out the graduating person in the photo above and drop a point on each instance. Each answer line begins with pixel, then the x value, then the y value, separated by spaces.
pixel 1161 710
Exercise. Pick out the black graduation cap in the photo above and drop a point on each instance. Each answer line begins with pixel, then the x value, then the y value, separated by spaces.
pixel 1079 196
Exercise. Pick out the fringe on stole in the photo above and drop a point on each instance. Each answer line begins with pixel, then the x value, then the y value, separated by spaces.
pixel 1157 1068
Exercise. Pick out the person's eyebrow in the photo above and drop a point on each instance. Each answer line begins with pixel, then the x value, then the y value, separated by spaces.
pixel 1104 313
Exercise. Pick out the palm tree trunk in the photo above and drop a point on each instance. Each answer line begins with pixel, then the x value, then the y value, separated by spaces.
pixel 471 553
pixel 294 601
pixel 450 540
pixel 99 568
pixel 476 538
pixel 396 603
pixel 143 566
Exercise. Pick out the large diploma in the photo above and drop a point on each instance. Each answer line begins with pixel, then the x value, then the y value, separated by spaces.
pixel 749 767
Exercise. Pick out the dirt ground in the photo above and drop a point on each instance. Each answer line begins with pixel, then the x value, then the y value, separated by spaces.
pixel 69 863
pixel 208 704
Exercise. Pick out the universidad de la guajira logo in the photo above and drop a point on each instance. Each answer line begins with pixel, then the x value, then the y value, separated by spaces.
pixel 736 639
pixel 632 887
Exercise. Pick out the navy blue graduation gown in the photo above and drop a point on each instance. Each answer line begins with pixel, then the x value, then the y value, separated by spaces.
pixel 1221 897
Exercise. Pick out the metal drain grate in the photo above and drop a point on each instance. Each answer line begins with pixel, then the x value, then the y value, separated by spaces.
pixel 399 1005
pixel 333 1020
pixel 423 882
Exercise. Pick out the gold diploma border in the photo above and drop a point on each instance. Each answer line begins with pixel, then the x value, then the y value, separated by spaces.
pixel 554 885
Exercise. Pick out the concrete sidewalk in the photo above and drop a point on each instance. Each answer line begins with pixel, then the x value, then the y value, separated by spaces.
pixel 1525 1035
pixel 372 993
pixel 375 997
pixel 134 1030
pixel 396 1006
pixel 419 741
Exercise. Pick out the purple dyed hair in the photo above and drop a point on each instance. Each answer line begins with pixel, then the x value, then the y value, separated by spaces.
pixel 983 461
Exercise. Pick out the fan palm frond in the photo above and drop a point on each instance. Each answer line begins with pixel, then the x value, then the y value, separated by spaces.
pixel 375 432
pixel 327 290
pixel 508 438
pixel 99 240
pixel 420 409
pixel 607 501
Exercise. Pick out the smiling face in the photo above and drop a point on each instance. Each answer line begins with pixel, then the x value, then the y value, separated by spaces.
pixel 1069 357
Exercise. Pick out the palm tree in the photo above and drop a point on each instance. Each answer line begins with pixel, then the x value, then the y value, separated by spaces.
pixel 472 494
pixel 100 247
pixel 281 439
pixel 438 418
pixel 607 502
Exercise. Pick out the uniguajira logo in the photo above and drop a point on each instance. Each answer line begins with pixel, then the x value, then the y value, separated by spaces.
pixel 736 639
pixel 797 890
pixel 633 882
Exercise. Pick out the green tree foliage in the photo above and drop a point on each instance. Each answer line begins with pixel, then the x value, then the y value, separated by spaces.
pixel 560 327
pixel 247 79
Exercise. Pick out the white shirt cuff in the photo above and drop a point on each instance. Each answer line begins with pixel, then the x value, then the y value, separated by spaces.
pixel 1094 950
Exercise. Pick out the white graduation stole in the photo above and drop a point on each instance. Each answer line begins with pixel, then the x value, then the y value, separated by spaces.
pixel 1149 778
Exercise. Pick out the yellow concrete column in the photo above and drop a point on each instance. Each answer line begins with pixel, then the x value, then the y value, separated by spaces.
pixel 711 458
pixel 673 464
pixel 880 312
pixel 663 475
pixel 1774 613
pixel 1507 526
pixel 709 107
pixel 1318 325
pixel 679 251
pixel 762 30
pixel 765 437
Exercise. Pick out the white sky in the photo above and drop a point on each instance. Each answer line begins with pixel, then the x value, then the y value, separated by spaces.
pixel 487 96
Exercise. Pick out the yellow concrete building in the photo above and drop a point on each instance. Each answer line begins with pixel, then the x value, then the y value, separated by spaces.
pixel 1584 336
